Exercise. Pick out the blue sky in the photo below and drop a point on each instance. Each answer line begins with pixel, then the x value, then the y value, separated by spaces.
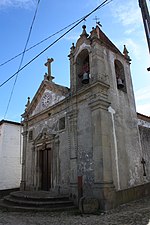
pixel 121 21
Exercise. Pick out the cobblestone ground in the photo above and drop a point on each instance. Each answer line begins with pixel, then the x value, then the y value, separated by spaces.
pixel 134 213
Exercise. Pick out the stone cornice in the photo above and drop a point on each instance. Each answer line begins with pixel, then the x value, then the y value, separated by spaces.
pixel 97 88
pixel 99 104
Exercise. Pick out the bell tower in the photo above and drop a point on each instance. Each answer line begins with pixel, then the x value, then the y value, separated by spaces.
pixel 87 63
pixel 106 118
pixel 80 62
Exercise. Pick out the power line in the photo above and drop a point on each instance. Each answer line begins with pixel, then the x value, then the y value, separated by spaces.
pixel 82 19
pixel 45 39
pixel 17 73
pixel 98 7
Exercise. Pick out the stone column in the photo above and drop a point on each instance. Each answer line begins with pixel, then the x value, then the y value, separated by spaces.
pixel 101 130
pixel 23 178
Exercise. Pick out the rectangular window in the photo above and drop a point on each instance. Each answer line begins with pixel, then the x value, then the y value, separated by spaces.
pixel 62 123
pixel 30 135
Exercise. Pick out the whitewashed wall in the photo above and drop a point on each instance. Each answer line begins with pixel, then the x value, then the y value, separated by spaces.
pixel 10 155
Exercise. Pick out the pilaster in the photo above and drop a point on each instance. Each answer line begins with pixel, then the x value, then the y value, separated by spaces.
pixel 23 178
pixel 72 138
pixel 103 187
pixel 56 164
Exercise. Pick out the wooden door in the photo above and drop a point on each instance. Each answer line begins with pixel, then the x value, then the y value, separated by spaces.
pixel 45 159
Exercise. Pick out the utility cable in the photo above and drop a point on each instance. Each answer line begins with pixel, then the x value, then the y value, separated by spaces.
pixel 98 7
pixel 45 39
pixel 17 73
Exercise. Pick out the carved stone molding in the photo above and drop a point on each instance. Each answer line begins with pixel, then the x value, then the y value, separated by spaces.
pixel 24 133
pixel 99 104
pixel 72 115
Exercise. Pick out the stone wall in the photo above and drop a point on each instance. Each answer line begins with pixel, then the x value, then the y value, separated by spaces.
pixel 145 143
pixel 132 194
pixel 126 149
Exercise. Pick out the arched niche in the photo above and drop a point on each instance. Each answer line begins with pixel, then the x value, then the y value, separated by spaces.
pixel 82 68
pixel 120 75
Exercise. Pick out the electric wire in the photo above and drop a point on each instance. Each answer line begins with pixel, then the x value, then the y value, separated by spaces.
pixel 98 7
pixel 17 73
pixel 45 39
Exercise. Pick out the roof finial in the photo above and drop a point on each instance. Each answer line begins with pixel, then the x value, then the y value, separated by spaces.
pixel 84 31
pixel 28 103
pixel 126 55
pixel 72 47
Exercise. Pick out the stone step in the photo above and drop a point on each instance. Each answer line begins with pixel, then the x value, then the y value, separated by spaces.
pixel 35 201
pixel 14 208
pixel 30 203
pixel 38 196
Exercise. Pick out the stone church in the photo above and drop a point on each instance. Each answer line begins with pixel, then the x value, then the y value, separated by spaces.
pixel 88 140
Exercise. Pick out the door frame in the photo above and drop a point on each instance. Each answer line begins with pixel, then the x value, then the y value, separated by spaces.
pixel 45 164
pixel 42 142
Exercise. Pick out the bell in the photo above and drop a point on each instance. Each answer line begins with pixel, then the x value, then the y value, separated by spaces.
pixel 85 79
pixel 120 84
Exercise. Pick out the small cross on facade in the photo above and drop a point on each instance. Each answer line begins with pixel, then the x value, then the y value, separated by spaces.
pixel 48 64
pixel 143 162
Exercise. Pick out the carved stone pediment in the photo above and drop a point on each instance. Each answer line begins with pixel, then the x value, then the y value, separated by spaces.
pixel 47 95
pixel 44 137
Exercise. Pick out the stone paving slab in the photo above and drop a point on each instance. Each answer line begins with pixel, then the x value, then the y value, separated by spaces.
pixel 134 213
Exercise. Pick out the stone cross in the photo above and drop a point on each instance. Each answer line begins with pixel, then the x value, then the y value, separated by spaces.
pixel 143 162
pixel 48 64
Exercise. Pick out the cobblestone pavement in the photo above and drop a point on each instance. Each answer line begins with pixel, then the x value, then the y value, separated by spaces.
pixel 134 213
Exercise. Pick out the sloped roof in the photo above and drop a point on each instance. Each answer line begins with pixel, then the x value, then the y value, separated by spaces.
pixel 10 122
pixel 98 34
pixel 143 117
pixel 102 36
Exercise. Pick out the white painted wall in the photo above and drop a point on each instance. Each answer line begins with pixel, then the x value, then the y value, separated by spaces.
pixel 10 155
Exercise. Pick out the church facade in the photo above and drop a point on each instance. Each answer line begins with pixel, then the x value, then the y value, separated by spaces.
pixel 86 140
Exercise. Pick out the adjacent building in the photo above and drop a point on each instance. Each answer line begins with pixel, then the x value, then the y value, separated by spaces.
pixel 10 154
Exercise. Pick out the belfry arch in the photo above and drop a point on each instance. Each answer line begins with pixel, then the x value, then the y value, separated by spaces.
pixel 120 75
pixel 82 67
